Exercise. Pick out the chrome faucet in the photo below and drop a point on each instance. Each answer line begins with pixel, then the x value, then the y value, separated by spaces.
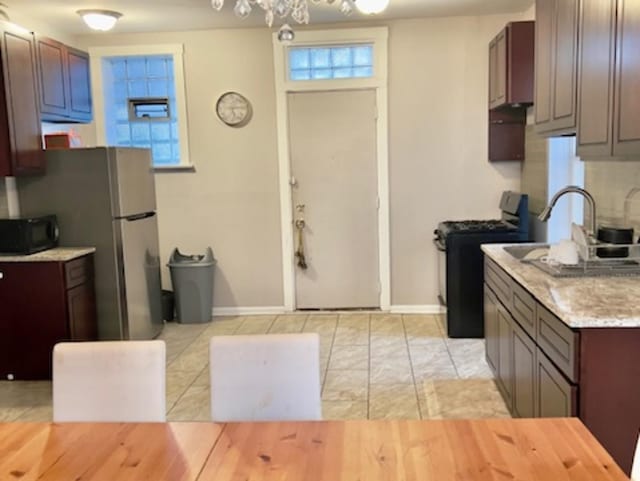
pixel 546 213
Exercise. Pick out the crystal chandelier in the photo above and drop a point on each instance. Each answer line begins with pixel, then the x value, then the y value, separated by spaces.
pixel 298 10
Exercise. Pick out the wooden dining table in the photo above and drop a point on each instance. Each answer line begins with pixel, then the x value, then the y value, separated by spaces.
pixel 559 449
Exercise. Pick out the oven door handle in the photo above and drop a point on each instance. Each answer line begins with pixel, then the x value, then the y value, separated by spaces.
pixel 439 245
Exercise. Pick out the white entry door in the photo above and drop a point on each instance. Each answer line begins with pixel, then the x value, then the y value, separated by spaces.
pixel 332 137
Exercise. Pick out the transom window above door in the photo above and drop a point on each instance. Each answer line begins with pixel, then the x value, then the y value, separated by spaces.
pixel 330 62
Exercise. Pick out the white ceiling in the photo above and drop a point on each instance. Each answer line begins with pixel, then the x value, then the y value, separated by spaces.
pixel 177 15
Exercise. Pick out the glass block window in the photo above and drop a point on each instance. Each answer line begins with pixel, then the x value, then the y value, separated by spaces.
pixel 130 80
pixel 335 62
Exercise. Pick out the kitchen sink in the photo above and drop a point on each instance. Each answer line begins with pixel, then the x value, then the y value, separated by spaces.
pixel 532 254
pixel 527 253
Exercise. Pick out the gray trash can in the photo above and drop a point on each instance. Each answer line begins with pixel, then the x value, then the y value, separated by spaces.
pixel 192 279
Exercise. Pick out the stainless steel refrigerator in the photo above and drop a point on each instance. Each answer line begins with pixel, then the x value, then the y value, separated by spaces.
pixel 105 197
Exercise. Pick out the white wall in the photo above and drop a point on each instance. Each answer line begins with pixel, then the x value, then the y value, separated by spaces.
pixel 438 142
pixel 438 153
pixel 231 202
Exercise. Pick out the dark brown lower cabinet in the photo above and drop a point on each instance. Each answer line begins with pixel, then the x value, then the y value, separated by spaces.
pixel 524 373
pixel 491 329
pixel 556 397
pixel 43 303
pixel 544 368
pixel 505 367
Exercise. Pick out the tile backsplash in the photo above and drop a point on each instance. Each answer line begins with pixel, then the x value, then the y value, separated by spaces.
pixel 615 184
pixel 535 170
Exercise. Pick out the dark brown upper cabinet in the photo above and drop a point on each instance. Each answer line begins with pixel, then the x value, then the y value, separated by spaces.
pixel 626 124
pixel 65 84
pixel 511 62
pixel 556 66
pixel 20 132
pixel 609 79
pixel 507 134
pixel 511 58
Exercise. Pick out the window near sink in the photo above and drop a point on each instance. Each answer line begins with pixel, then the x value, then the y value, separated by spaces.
pixel 142 101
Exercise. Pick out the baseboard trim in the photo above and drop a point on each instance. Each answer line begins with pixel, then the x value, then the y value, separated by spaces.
pixel 247 311
pixel 273 310
pixel 418 309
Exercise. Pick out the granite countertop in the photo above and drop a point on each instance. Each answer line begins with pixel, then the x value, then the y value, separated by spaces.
pixel 579 302
pixel 57 254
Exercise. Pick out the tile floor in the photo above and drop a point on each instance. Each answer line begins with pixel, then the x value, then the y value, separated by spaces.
pixel 373 365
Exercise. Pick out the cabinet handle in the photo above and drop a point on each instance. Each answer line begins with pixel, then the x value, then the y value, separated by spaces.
pixel 1 275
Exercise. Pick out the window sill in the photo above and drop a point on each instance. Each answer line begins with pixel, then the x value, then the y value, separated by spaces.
pixel 175 168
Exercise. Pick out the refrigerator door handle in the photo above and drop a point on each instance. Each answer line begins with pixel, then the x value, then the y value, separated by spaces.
pixel 132 218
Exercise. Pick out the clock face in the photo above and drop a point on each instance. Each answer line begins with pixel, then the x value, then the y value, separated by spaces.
pixel 233 109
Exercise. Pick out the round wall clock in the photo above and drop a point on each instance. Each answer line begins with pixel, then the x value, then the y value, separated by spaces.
pixel 234 109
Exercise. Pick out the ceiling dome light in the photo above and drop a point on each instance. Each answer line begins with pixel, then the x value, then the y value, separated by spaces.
pixel 102 20
pixel 371 6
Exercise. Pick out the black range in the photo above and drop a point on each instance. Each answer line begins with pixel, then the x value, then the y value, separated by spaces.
pixel 461 263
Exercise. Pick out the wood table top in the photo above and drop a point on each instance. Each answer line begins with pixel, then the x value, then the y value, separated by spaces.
pixel 559 449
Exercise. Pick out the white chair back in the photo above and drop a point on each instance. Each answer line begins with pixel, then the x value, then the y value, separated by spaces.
pixel 272 377
pixel 635 468
pixel 112 381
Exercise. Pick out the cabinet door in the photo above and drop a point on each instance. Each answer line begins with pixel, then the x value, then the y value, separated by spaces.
pixel 52 65
pixel 81 302
pixel 596 66
pixel 627 100
pixel 565 35
pixel 80 105
pixel 505 347
pixel 556 396
pixel 493 72
pixel 21 92
pixel 501 68
pixel 507 134
pixel 524 372
pixel 491 332
pixel 545 21
pixel 34 319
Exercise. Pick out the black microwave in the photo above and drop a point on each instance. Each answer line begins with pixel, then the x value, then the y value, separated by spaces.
pixel 28 235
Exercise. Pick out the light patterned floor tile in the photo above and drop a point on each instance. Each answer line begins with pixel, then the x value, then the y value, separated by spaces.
pixel 393 401
pixel 421 327
pixel 388 346
pixel 346 385
pixel 193 405
pixel 468 356
pixel 177 383
pixel 391 370
pixel 351 336
pixel 255 325
pixel 203 378
pixel 321 323
pixel 461 399
pixel 349 357
pixel 340 410
pixel 358 379
pixel 386 324
pixel 288 324
pixel 356 321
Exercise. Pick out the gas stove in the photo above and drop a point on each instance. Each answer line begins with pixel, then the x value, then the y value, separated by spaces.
pixel 460 261
pixel 475 226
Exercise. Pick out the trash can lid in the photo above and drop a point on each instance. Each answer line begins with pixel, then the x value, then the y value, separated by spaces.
pixel 178 259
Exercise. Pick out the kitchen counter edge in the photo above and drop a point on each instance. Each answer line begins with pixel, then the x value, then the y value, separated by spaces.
pixel 57 254
pixel 588 302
